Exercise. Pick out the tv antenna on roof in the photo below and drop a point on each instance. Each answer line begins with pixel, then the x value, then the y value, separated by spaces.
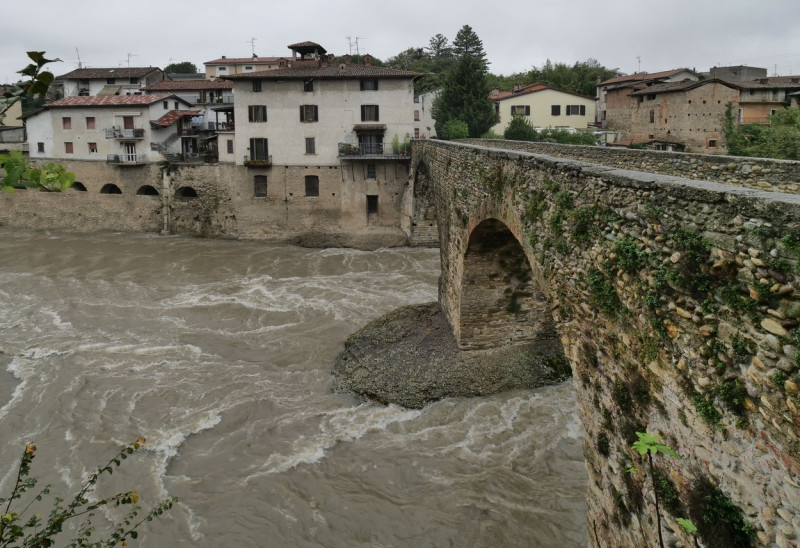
pixel 252 43
pixel 129 58
pixel 80 65
pixel 354 42
pixel 638 63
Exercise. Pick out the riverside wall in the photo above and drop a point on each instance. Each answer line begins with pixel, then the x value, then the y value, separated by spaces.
pixel 677 303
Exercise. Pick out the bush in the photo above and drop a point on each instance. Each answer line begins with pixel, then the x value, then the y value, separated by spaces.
pixel 455 129
pixel 520 129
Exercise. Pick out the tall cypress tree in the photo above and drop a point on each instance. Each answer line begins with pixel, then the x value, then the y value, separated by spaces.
pixel 465 94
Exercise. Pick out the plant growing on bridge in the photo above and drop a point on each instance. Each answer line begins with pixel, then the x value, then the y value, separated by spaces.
pixel 20 528
pixel 650 444
pixel 20 174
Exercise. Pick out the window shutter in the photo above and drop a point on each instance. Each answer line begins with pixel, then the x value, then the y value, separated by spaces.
pixel 377 113
pixel 583 110
pixel 527 110
pixel 302 114
pixel 316 113
pixel 363 109
pixel 361 83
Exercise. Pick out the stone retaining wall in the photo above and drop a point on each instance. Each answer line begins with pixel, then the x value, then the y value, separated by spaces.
pixel 678 305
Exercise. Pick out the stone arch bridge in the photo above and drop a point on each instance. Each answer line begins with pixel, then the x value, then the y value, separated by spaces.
pixel 677 303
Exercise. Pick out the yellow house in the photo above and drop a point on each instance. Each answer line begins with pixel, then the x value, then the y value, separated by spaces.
pixel 544 106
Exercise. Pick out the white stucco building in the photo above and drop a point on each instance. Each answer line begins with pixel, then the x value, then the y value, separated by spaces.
pixel 119 129
pixel 106 81
pixel 544 107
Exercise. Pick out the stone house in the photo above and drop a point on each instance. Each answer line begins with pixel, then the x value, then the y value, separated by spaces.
pixel 544 106
pixel 612 94
pixel 327 134
pixel 118 129
pixel 764 96
pixel 106 81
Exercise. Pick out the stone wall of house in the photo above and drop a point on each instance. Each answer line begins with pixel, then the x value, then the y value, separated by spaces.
pixel 678 304
pixel 759 173
pixel 225 204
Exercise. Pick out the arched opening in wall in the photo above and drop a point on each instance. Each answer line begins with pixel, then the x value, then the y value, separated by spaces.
pixel 424 226
pixel 79 186
pixel 147 190
pixel 110 189
pixel 186 192
pixel 501 303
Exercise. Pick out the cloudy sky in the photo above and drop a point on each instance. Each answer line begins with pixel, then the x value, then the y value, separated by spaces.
pixel 516 34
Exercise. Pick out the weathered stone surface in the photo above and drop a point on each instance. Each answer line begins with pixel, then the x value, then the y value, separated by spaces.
pixel 773 327
pixel 410 357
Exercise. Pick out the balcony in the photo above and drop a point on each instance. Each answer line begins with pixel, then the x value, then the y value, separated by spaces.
pixel 260 162
pixel 371 151
pixel 127 134
pixel 124 159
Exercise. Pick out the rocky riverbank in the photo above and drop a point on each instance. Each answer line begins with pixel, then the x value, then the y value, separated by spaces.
pixel 410 357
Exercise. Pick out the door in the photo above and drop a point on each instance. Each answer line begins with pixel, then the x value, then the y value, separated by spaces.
pixel 372 209
pixel 130 152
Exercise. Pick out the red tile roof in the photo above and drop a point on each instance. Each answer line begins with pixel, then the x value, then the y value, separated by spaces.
pixel 110 100
pixel 533 88
pixel 638 76
pixel 331 71
pixel 173 116
pixel 246 60
pixel 180 85
pixel 103 73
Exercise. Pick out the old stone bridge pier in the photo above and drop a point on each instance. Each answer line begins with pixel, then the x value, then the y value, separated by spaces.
pixel 677 303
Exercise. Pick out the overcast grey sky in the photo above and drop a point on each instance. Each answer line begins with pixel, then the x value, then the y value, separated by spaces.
pixel 516 34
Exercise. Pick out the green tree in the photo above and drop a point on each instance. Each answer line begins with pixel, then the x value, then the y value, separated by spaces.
pixel 779 139
pixel 650 444
pixel 465 93
pixel 185 67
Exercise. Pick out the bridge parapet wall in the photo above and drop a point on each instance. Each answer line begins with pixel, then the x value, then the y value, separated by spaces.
pixel 759 173
pixel 678 305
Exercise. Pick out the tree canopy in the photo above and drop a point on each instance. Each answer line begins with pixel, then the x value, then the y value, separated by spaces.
pixel 464 95
pixel 185 67
pixel 779 139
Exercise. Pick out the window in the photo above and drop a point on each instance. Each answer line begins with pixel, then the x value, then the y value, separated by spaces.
pixel 259 149
pixel 260 186
pixel 177 105
pixel 230 146
pixel 370 171
pixel 257 113
pixel 369 84
pixel 166 105
pixel 90 122
pixel 310 148
pixel 416 116
pixel 369 113
pixel 555 110
pixel 256 85
pixel 40 147
pixel 308 85
pixel 309 113
pixel 92 148
pixel 416 98
pixel 522 110
pixel 741 115
pixel 712 143
pixel 68 147
pixel 652 116
pixel 576 110
pixel 651 97
pixel 416 133
pixel 312 185
pixel 222 69
pixel 66 122
pixel 110 80
pixel 250 67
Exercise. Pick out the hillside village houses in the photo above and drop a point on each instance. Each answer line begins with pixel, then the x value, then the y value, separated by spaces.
pixel 544 106
pixel 106 81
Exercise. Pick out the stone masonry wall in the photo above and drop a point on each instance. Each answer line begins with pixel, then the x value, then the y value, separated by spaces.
pixel 758 173
pixel 678 305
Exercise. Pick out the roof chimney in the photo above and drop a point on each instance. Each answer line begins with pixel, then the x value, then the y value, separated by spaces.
pixel 368 59
pixel 517 87
pixel 346 58
pixel 224 57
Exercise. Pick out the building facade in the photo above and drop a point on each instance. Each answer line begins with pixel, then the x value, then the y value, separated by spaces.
pixel 544 107
pixel 118 129
pixel 106 81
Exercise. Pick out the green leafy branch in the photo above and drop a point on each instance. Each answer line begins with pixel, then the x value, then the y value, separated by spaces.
pixel 20 174
pixel 35 81
pixel 17 529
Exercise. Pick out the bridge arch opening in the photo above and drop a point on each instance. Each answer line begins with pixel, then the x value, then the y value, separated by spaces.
pixel 186 192
pixel 79 186
pixel 147 190
pixel 501 302
pixel 424 225
pixel 110 188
